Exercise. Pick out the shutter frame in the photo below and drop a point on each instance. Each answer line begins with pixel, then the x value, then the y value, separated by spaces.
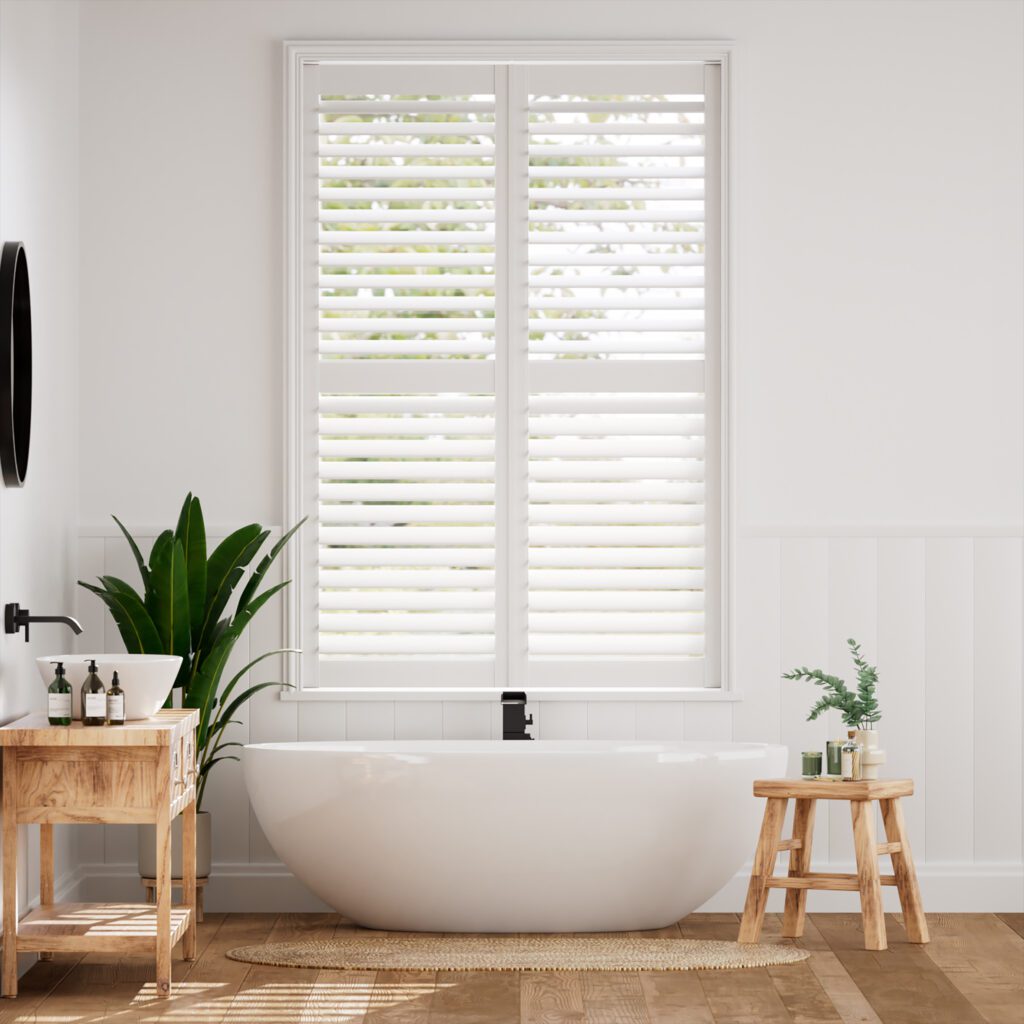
pixel 380 372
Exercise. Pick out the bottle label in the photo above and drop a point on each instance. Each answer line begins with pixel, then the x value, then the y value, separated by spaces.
pixel 115 707
pixel 95 705
pixel 59 705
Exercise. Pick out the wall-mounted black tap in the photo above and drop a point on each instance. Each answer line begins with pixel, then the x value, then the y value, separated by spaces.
pixel 16 618
pixel 513 716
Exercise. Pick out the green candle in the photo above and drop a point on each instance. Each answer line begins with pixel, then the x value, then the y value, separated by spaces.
pixel 811 764
pixel 835 757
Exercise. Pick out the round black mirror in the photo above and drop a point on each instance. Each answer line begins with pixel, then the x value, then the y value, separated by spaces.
pixel 15 364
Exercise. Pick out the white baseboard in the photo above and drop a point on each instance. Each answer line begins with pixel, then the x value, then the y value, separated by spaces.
pixel 272 888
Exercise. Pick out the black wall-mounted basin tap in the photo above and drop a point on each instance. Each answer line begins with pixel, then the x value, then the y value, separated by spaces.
pixel 514 719
pixel 17 618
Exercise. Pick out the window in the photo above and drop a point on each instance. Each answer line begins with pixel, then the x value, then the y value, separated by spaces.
pixel 506 374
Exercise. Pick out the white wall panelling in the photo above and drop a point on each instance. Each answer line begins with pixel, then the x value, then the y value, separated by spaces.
pixel 906 598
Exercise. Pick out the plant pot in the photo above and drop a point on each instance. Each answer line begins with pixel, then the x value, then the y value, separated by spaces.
pixel 147 847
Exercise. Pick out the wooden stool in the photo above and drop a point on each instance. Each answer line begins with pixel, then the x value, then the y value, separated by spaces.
pixel 867 881
pixel 149 884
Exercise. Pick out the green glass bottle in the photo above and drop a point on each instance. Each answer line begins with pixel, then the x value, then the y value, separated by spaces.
pixel 94 699
pixel 58 698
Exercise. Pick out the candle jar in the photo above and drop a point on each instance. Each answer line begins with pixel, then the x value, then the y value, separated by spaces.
pixel 835 757
pixel 811 764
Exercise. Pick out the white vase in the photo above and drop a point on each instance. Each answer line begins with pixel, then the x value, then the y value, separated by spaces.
pixel 872 757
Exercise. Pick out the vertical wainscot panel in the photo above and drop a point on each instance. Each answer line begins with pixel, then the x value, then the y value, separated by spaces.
pixel 804 641
pixel 901 670
pixel 755 661
pixel 997 698
pixel 611 720
pixel 949 680
pixel 419 720
pixel 660 719
pixel 852 612
pixel 466 720
pixel 371 720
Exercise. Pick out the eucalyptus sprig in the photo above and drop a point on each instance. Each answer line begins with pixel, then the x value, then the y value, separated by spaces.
pixel 859 710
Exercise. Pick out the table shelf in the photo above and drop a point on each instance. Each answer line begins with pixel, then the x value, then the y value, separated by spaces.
pixel 97 927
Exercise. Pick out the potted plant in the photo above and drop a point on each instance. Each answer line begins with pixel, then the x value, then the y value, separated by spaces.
pixel 183 609
pixel 859 710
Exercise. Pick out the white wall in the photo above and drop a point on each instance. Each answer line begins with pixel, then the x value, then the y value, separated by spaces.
pixel 877 365
pixel 39 207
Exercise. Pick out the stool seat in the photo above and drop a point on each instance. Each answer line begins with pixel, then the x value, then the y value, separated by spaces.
pixel 827 789
pixel 799 879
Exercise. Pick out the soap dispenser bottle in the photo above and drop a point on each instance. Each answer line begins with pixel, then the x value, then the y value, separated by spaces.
pixel 115 702
pixel 94 698
pixel 58 698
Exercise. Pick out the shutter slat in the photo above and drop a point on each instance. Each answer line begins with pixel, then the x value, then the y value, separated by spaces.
pixel 622 622
pixel 412 622
pixel 388 579
pixel 471 558
pixel 340 643
pixel 618 513
pixel 419 448
pixel 592 645
pixel 411 600
pixel 384 536
pixel 410 470
pixel 358 513
pixel 407 425
pixel 616 600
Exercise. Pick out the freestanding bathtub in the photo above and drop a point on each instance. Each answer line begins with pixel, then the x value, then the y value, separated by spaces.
pixel 493 836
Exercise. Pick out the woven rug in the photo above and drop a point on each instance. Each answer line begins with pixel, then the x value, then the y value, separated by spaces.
pixel 369 952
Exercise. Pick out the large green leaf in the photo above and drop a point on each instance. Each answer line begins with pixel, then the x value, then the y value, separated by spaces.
pixel 119 586
pixel 191 532
pixel 261 570
pixel 202 690
pixel 139 560
pixel 226 692
pixel 170 594
pixel 223 571
pixel 137 629
pixel 224 716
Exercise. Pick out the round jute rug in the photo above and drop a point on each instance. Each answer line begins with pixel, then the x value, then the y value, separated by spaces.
pixel 369 952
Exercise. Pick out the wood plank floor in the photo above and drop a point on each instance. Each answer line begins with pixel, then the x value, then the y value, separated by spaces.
pixel 973 971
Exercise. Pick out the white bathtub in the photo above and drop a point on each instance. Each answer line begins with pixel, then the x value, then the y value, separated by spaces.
pixel 492 836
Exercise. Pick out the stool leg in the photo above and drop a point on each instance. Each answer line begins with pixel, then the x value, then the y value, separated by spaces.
pixel 799 864
pixel 199 903
pixel 764 868
pixel 905 872
pixel 866 849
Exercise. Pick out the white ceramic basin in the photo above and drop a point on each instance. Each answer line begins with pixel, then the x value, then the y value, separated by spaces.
pixel 145 678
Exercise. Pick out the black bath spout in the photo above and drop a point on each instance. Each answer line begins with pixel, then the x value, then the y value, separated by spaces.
pixel 17 618
pixel 514 719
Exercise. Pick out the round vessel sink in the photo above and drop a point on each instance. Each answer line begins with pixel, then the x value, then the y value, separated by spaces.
pixel 145 678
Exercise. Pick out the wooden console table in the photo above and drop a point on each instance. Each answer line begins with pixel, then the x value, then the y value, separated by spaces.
pixel 141 772
pixel 868 882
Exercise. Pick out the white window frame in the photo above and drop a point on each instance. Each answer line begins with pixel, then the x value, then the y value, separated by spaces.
pixel 299 56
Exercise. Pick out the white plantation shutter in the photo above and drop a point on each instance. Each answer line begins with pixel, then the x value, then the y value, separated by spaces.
pixel 509 390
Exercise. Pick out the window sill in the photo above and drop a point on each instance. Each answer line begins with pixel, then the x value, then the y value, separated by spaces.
pixel 581 693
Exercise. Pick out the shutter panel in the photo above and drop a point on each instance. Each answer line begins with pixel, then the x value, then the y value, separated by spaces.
pixel 509 325
pixel 616 405
pixel 406 337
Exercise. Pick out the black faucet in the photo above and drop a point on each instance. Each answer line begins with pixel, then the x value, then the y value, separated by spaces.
pixel 513 716
pixel 16 618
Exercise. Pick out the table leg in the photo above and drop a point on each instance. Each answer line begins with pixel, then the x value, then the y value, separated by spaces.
pixel 764 868
pixel 799 864
pixel 188 877
pixel 45 871
pixel 905 872
pixel 163 874
pixel 10 851
pixel 866 850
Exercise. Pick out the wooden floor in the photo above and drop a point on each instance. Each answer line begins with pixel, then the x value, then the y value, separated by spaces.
pixel 973 971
